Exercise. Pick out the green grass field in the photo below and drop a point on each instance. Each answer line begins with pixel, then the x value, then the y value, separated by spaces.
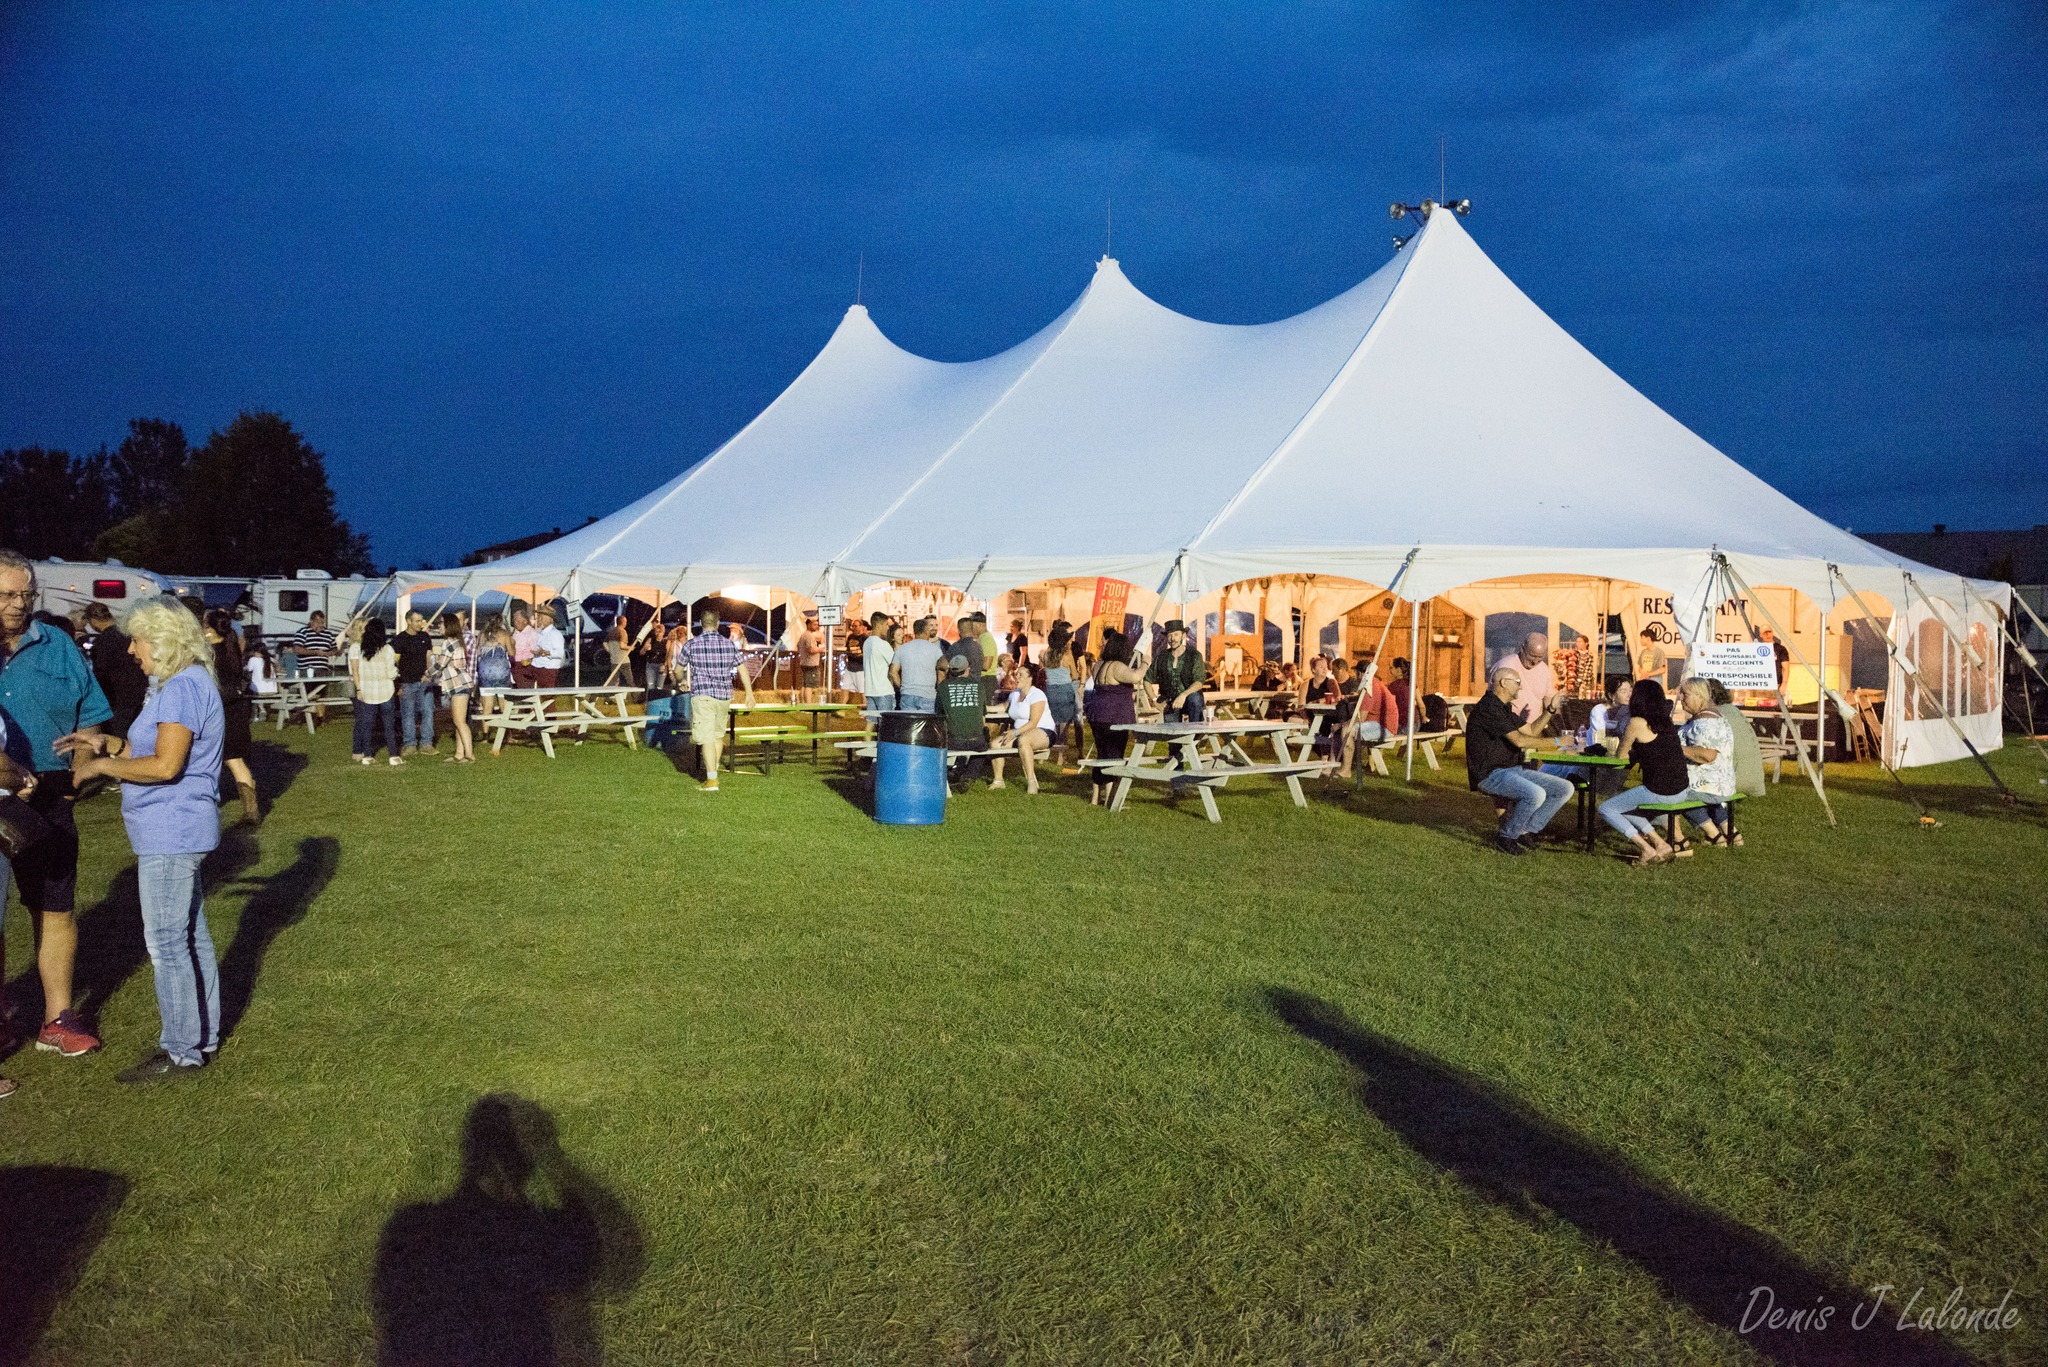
pixel 1043 1085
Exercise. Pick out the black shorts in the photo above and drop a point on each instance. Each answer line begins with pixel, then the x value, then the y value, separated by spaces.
pixel 46 873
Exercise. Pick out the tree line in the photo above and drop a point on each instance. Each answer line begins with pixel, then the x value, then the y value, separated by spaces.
pixel 253 500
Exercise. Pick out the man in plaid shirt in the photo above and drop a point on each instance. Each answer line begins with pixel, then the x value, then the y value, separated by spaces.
pixel 713 660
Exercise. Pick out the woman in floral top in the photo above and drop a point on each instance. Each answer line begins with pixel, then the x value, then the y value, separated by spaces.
pixel 452 667
pixel 1710 758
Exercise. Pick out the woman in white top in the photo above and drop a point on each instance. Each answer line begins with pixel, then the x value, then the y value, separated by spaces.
pixel 1030 722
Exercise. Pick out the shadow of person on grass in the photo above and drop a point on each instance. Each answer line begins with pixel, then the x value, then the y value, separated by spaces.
pixel 1522 1159
pixel 276 768
pixel 110 943
pixel 51 1220
pixel 275 903
pixel 490 1276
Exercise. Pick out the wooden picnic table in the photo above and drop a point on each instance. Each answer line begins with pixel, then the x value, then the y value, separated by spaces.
pixel 544 711
pixel 1208 754
pixel 813 714
pixel 1229 702
pixel 301 695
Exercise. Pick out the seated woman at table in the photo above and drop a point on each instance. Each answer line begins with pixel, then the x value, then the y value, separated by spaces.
pixel 1651 743
pixel 1610 717
pixel 1112 702
pixel 1375 717
pixel 1710 760
pixel 1030 728
pixel 1322 684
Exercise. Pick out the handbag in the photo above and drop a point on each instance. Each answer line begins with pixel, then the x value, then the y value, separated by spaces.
pixel 20 825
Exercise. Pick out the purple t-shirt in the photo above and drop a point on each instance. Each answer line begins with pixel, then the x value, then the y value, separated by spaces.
pixel 178 817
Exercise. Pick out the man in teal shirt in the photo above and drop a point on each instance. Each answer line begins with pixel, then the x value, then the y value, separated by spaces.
pixel 48 690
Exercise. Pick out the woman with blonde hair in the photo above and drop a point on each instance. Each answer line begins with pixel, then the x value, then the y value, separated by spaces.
pixel 169 770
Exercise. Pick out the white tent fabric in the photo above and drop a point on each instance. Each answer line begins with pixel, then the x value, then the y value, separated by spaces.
pixel 1432 408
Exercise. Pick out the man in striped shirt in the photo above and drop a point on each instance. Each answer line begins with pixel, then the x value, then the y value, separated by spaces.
pixel 713 659
pixel 311 646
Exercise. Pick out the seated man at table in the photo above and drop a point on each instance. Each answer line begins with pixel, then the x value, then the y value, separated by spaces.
pixel 1495 738
pixel 1177 676
pixel 966 724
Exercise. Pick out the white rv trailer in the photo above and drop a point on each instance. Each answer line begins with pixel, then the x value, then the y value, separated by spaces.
pixel 281 606
pixel 65 586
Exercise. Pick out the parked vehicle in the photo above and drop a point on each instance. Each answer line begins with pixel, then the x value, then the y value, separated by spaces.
pixel 65 586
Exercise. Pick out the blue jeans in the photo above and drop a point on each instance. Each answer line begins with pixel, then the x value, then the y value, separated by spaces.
pixel 917 702
pixel 1194 709
pixel 180 954
pixel 1537 797
pixel 1619 811
pixel 369 716
pixel 878 703
pixel 416 713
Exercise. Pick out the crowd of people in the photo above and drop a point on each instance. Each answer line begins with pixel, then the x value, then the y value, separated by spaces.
pixel 162 704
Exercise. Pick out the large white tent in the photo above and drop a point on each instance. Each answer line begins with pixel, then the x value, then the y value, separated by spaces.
pixel 1430 427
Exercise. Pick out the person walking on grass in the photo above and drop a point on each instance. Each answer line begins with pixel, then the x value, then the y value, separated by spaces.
pixel 169 769
pixel 374 671
pixel 713 661
pixel 414 648
pixel 1495 738
pixel 48 690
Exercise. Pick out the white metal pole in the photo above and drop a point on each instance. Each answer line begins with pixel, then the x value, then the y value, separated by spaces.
pixel 1414 634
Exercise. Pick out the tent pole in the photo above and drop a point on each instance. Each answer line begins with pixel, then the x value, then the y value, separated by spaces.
pixel 1372 670
pixel 1892 651
pixel 1414 678
pixel 1742 593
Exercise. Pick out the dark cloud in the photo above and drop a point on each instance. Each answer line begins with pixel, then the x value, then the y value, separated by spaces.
pixel 508 265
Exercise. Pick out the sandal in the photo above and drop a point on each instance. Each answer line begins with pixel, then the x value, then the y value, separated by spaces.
pixel 1681 848
pixel 7 1086
pixel 1735 839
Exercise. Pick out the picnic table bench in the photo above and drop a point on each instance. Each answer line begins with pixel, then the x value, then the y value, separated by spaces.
pixel 1206 755
pixel 799 723
pixel 303 695
pixel 541 712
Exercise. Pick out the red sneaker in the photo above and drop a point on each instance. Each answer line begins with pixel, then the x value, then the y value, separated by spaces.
pixel 66 1036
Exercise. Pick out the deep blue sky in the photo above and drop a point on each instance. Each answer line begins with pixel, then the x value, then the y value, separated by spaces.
pixel 508 265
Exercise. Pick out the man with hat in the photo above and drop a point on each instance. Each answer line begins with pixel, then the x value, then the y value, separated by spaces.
pixel 548 649
pixel 1177 676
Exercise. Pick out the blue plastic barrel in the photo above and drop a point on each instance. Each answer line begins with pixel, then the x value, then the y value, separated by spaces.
pixel 910 769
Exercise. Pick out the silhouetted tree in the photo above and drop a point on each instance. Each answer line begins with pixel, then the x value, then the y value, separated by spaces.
pixel 51 503
pixel 148 467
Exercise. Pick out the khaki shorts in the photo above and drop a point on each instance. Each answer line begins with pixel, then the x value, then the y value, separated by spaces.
pixel 707 719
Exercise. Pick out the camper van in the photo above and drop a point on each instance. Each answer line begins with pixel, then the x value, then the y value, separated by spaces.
pixel 281 606
pixel 65 586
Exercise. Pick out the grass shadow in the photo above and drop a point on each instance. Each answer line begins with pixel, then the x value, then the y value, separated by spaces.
pixel 110 944
pixel 489 1274
pixel 276 767
pixel 51 1220
pixel 275 904
pixel 1523 1160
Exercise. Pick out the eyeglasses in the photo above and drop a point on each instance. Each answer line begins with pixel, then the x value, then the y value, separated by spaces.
pixel 17 596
